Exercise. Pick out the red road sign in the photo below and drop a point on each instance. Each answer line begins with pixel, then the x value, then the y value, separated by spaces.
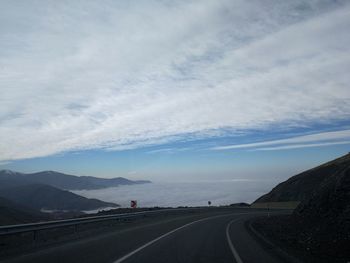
pixel 133 203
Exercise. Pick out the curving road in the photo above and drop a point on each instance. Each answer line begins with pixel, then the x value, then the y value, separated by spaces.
pixel 209 237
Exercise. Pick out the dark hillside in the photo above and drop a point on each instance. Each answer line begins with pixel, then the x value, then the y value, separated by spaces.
pixel 12 213
pixel 301 187
pixel 324 219
pixel 320 226
pixel 39 196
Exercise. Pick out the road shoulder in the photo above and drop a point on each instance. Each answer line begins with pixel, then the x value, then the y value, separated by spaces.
pixel 269 244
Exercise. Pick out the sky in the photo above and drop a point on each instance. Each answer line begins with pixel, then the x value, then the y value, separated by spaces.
pixel 174 90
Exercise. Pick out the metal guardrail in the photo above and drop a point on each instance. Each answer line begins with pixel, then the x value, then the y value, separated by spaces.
pixel 33 227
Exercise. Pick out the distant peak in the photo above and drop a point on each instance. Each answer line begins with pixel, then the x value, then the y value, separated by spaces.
pixel 50 172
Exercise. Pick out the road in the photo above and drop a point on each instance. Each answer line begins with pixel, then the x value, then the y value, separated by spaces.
pixel 207 237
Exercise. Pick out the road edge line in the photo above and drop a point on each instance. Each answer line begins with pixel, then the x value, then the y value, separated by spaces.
pixel 167 234
pixel 229 241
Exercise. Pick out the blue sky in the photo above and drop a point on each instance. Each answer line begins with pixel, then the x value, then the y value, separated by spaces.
pixel 186 90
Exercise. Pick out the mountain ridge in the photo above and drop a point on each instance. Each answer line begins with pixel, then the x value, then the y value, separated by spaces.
pixel 302 186
pixel 10 178
pixel 48 191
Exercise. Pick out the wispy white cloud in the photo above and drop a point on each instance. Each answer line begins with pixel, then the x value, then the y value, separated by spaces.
pixel 169 150
pixel 324 139
pixel 296 146
pixel 116 75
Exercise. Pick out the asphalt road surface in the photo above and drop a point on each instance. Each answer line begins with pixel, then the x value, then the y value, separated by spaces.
pixel 208 237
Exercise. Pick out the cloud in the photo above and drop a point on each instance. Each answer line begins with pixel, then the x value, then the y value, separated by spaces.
pixel 169 150
pixel 86 75
pixel 296 146
pixel 326 139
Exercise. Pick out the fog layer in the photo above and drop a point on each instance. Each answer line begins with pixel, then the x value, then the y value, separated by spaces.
pixel 182 194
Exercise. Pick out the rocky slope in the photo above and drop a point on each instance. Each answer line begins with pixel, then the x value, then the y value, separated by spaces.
pixel 320 226
pixel 301 187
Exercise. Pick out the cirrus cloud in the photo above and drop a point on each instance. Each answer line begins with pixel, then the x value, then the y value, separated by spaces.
pixel 116 75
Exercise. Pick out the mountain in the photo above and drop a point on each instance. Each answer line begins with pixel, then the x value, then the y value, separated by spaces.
pixel 63 181
pixel 301 187
pixel 320 224
pixel 40 196
pixel 13 213
pixel 323 220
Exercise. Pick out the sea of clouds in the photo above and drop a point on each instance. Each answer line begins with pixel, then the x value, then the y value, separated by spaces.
pixel 174 194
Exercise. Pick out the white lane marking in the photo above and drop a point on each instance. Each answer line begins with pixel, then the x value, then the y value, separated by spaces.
pixel 169 233
pixel 234 251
